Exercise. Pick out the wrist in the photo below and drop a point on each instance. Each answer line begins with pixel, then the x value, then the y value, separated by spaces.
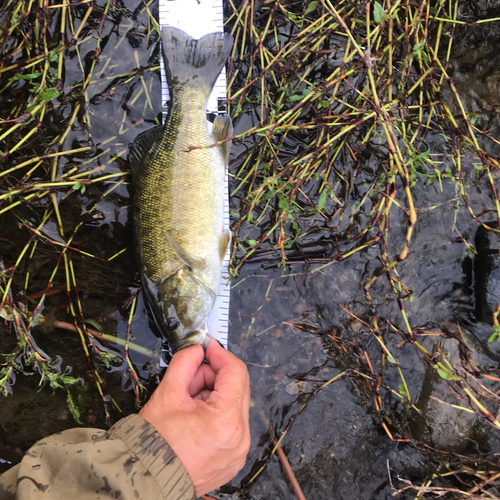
pixel 156 456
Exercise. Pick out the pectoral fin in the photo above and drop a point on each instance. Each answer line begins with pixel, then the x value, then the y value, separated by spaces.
pixel 224 242
pixel 184 256
pixel 223 129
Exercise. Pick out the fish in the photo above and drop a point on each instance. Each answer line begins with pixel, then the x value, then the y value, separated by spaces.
pixel 178 191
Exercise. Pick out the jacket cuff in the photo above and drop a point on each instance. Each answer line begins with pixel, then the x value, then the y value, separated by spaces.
pixel 156 455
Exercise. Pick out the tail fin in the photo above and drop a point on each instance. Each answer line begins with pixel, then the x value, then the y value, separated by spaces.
pixel 197 62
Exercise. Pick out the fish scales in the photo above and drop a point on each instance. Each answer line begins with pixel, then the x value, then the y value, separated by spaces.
pixel 179 192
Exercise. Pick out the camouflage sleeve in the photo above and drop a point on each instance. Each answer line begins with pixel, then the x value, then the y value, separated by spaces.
pixel 129 462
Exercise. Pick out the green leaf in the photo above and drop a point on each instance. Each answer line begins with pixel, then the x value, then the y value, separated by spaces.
pixel 322 199
pixel 75 411
pixel 402 390
pixel 251 242
pixel 444 374
pixel 69 380
pixel 378 13
pixel 53 56
pixel 237 111
pixel 95 324
pixel 52 77
pixel 283 202
pixel 49 94
pixel 294 98
pixel 496 334
pixel 107 358
pixel 31 105
pixel 310 7
pixel 29 76
pixel 391 359
pixel 79 186
pixel 422 155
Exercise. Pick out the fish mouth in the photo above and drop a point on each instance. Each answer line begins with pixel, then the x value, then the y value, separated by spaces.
pixel 199 336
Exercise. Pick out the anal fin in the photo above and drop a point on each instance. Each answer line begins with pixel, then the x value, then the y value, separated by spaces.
pixel 224 243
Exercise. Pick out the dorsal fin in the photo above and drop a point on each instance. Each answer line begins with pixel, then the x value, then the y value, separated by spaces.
pixel 142 146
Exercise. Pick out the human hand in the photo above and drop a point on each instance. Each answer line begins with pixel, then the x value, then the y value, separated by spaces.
pixel 202 412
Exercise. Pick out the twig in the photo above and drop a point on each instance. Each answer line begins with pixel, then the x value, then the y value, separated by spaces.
pixel 288 470
pixel 107 338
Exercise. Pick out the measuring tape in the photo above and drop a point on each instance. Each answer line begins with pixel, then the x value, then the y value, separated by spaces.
pixel 197 18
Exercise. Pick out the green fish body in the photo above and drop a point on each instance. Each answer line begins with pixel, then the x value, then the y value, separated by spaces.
pixel 179 192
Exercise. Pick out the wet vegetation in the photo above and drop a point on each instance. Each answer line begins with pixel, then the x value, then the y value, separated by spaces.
pixel 78 83
pixel 355 156
pixel 365 261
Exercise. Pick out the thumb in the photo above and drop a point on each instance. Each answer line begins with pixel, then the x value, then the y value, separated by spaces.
pixel 181 370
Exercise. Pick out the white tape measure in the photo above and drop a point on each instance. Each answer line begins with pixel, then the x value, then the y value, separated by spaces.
pixel 197 18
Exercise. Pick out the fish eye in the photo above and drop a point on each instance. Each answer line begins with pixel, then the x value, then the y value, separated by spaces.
pixel 173 323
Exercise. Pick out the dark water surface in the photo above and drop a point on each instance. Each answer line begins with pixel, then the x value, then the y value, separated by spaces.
pixel 296 327
pixel 122 98
pixel 303 325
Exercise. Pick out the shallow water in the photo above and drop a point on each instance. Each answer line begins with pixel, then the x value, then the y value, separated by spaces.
pixel 302 325
pixel 336 445
pixel 296 327
pixel 119 103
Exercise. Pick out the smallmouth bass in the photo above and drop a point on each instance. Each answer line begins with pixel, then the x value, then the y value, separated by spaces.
pixel 179 192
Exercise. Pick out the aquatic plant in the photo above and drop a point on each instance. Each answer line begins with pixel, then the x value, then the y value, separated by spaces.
pixel 75 86
pixel 345 102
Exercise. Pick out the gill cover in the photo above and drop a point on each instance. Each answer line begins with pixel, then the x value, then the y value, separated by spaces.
pixel 186 303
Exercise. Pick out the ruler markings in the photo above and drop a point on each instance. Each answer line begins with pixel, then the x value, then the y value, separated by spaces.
pixel 198 20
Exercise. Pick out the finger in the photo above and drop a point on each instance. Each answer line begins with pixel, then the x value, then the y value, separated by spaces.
pixel 217 356
pixel 203 395
pixel 181 371
pixel 246 410
pixel 231 384
pixel 204 378
pixel 246 399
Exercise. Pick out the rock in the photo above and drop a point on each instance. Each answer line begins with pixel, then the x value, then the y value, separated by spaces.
pixel 442 425
pixel 487 273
